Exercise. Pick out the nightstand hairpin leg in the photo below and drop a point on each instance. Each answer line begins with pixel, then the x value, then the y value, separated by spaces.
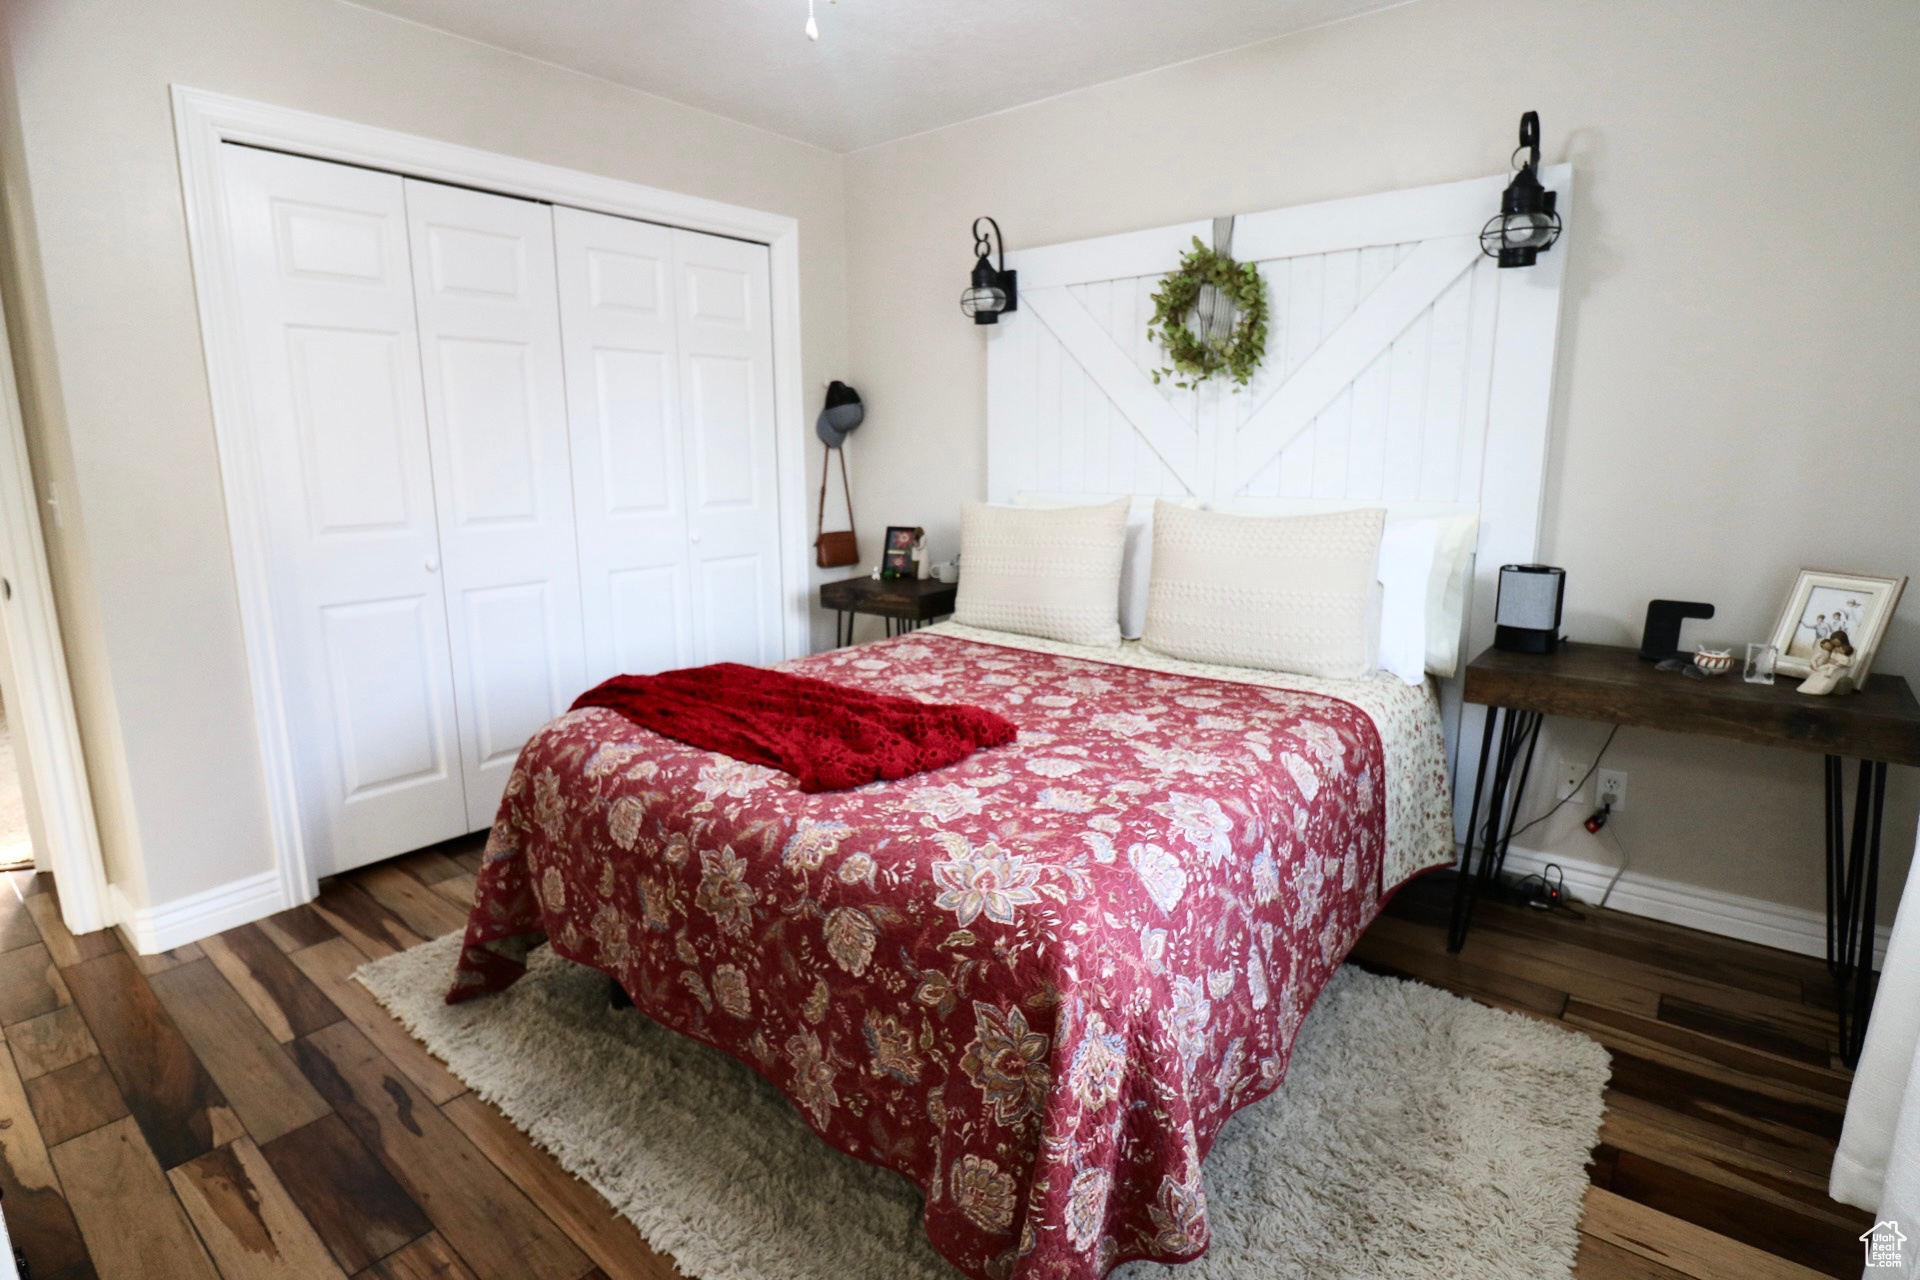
pixel 1853 887
pixel 1462 900
pixel 1836 831
pixel 1518 733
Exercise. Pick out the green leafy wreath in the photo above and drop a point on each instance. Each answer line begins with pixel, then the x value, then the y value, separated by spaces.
pixel 1194 357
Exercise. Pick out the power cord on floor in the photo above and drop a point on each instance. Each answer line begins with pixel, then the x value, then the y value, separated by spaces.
pixel 1584 778
pixel 1619 844
pixel 1546 890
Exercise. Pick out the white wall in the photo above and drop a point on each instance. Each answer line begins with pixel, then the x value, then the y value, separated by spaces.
pixel 116 383
pixel 1739 386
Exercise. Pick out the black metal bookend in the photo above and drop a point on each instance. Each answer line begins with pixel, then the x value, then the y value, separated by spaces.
pixel 1660 639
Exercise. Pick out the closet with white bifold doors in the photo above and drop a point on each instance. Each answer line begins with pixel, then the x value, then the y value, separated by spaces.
pixel 504 451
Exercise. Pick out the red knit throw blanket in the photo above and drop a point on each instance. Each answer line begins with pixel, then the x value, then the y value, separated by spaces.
pixel 829 736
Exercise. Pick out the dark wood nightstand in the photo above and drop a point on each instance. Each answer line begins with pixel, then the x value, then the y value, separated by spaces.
pixel 1879 726
pixel 906 603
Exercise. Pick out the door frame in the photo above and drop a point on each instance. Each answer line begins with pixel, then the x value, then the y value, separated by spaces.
pixel 203 121
pixel 40 690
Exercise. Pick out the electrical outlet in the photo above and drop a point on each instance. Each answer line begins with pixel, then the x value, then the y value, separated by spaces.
pixel 1612 789
pixel 1568 780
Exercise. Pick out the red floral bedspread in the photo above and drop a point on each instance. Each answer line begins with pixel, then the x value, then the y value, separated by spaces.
pixel 1035 982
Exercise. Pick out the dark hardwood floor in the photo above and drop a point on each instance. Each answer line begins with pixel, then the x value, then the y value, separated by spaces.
pixel 239 1109
pixel 1727 1092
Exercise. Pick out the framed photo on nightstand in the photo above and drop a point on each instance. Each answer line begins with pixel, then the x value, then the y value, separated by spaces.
pixel 896 558
pixel 1835 617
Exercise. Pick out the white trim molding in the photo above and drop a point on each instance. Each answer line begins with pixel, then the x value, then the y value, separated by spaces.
pixel 202 123
pixel 198 915
pixel 39 688
pixel 1731 915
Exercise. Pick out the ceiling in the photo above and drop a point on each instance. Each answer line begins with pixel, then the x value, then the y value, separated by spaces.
pixel 882 69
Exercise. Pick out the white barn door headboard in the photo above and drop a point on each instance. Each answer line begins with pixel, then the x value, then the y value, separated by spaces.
pixel 1403 368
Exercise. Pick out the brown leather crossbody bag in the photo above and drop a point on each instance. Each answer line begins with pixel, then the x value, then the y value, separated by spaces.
pixel 837 549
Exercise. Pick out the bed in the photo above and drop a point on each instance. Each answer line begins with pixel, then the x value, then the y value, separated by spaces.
pixel 1035 983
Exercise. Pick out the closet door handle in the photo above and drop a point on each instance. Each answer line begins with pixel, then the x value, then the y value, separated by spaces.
pixel 693 537
pixel 433 566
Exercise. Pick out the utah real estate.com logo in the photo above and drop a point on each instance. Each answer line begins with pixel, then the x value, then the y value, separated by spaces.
pixel 1883 1244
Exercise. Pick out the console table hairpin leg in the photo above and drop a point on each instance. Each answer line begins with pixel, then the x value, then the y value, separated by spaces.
pixel 1853 859
pixel 1612 684
pixel 1853 887
pixel 1518 733
pixel 843 620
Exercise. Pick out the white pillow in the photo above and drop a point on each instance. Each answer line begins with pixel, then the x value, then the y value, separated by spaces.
pixel 1053 573
pixel 1136 568
pixel 1444 593
pixel 1280 593
pixel 1457 537
pixel 1136 575
pixel 1407 549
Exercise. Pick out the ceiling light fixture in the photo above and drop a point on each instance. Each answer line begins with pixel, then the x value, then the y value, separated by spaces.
pixel 1527 224
pixel 813 28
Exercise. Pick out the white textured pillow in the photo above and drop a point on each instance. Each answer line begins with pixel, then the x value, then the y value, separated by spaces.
pixel 1281 593
pixel 1136 565
pixel 1053 574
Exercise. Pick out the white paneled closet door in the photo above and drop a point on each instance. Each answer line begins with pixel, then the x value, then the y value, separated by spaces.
pixel 622 358
pixel 345 479
pixel 483 273
pixel 669 354
pixel 725 328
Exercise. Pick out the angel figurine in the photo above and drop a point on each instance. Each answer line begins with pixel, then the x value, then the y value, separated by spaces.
pixel 1828 667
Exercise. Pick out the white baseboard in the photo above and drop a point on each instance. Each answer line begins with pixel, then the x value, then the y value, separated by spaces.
pixel 198 915
pixel 1730 915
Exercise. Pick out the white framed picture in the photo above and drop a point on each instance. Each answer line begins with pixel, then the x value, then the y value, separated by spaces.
pixel 1835 619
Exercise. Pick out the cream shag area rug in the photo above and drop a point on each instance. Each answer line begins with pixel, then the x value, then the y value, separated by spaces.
pixel 1417 1134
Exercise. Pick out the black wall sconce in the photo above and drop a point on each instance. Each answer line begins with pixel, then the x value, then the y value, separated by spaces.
pixel 991 293
pixel 1528 223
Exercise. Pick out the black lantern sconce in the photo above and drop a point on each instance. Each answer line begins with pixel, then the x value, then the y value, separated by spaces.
pixel 991 293
pixel 1528 223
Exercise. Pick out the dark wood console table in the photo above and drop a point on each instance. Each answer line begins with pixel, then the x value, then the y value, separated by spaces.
pixel 1878 726
pixel 906 603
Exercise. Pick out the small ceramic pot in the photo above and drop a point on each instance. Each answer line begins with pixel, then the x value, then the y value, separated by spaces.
pixel 1714 662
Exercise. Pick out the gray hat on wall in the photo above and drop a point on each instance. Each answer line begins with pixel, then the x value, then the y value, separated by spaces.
pixel 843 413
